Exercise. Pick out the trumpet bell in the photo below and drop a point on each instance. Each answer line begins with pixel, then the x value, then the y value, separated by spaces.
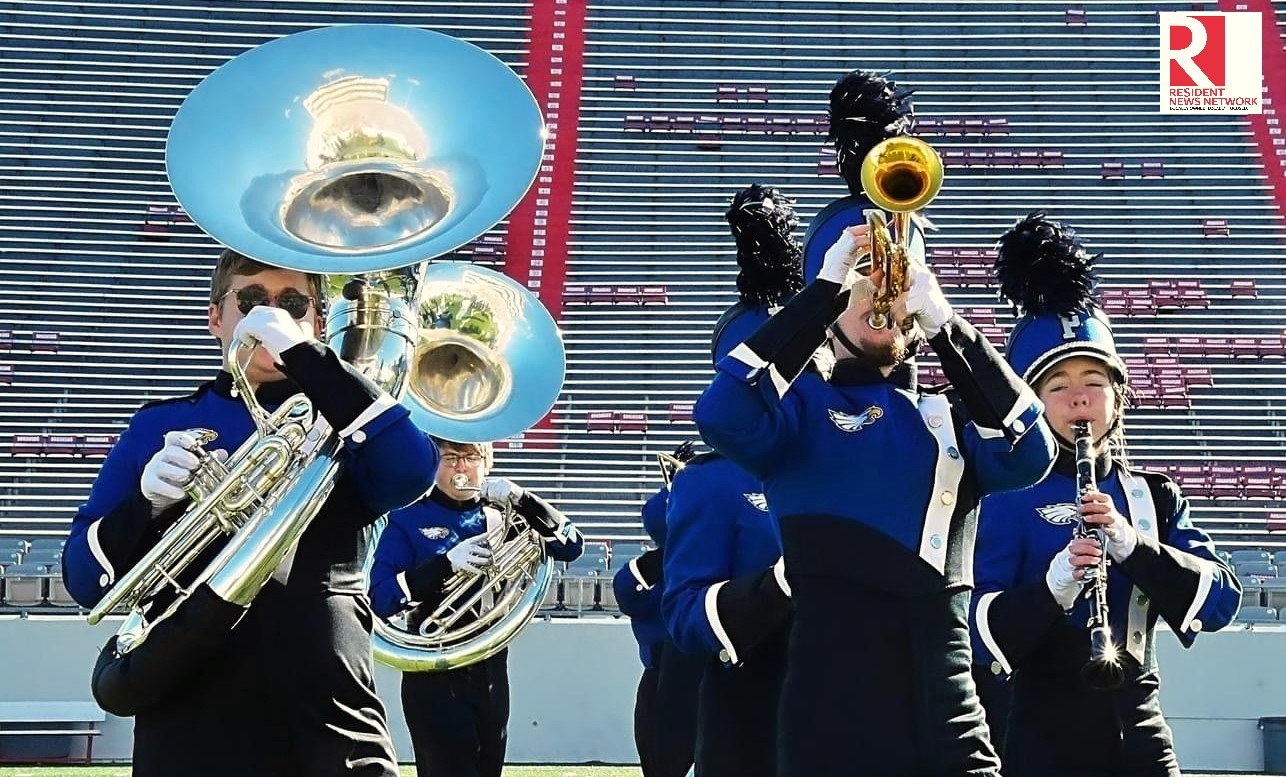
pixel 354 148
pixel 902 174
pixel 489 362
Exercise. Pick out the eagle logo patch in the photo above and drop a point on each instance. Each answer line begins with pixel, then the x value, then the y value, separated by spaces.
pixel 1061 514
pixel 435 532
pixel 847 422
pixel 758 501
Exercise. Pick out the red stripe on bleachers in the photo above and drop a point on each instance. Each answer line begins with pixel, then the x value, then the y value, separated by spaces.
pixel 1273 156
pixel 539 227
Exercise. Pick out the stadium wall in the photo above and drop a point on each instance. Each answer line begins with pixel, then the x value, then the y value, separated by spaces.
pixel 573 687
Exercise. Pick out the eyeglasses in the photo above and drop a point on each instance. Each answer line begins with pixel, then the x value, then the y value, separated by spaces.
pixel 249 297
pixel 454 459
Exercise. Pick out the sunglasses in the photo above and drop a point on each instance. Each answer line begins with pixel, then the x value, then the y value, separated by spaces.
pixel 249 297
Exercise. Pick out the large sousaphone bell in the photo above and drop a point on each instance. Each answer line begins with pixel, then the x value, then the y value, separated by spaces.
pixel 360 152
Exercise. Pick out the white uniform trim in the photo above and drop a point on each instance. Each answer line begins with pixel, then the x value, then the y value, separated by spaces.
pixel 1025 400
pixel 780 384
pixel 1208 573
pixel 638 576
pixel 712 615
pixel 1142 514
pixel 96 548
pixel 743 354
pixel 984 630
pixel 382 402
pixel 406 590
pixel 936 412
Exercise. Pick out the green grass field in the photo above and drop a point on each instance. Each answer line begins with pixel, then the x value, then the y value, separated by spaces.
pixel 407 771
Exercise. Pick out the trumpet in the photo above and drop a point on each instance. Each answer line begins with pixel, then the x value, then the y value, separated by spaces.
pixel 900 175
pixel 1103 671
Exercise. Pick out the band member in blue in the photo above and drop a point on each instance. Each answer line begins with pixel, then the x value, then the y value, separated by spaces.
pixel 726 598
pixel 665 711
pixel 874 484
pixel 290 690
pixel 458 719
pixel 1031 605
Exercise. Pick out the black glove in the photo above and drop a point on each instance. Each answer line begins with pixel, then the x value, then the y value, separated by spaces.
pixel 648 567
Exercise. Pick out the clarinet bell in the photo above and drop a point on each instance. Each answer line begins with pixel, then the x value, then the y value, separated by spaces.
pixel 1103 672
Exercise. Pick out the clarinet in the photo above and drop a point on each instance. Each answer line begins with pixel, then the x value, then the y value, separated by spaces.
pixel 1103 672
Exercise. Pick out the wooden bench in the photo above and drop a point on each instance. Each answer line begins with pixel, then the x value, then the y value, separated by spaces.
pixel 49 719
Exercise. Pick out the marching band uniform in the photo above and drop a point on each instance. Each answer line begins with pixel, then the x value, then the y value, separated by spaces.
pixel 291 690
pixel 726 599
pixel 458 719
pixel 665 712
pixel 873 484
pixel 1022 631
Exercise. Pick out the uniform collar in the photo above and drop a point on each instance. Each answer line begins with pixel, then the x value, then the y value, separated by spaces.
pixel 857 371
pixel 439 497
pixel 1065 464
pixel 273 393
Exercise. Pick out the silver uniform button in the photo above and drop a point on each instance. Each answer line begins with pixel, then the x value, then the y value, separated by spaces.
pixel 1142 600
pixel 724 657
pixel 104 580
pixel 1137 493
pixel 952 452
pixel 1018 426
pixel 1145 524
pixel 1138 636
pixel 948 498
pixel 996 668
pixel 935 421
pixel 358 437
pixel 936 542
pixel 1196 624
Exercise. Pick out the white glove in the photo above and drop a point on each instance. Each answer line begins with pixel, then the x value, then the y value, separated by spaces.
pixel 499 491
pixel 168 471
pixel 837 264
pixel 925 301
pixel 1121 539
pixel 275 330
pixel 1060 580
pixel 471 555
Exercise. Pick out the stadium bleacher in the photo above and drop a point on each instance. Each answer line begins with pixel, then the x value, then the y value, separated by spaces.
pixel 102 276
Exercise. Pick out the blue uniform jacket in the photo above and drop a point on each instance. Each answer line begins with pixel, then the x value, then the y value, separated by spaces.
pixel 386 459
pixel 719 529
pixel 640 597
pixel 1173 573
pixel 418 537
pixel 873 450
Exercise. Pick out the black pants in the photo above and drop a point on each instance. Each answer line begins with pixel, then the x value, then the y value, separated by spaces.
pixel 879 685
pixel 996 697
pixel 1060 728
pixel 459 719
pixel 678 682
pixel 290 694
pixel 737 719
pixel 645 721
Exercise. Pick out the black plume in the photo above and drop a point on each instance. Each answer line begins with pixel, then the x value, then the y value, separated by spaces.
pixel 685 450
pixel 1042 267
pixel 771 259
pixel 865 109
